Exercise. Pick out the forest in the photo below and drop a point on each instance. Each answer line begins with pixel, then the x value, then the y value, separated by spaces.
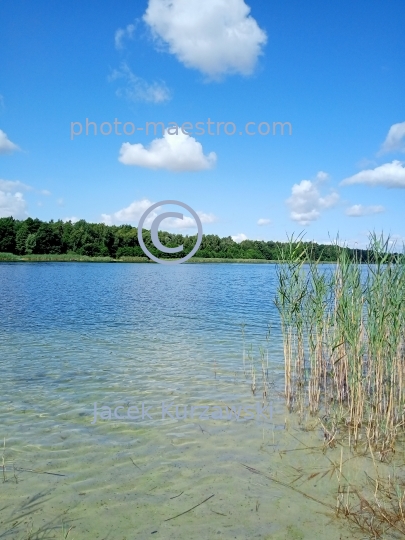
pixel 33 236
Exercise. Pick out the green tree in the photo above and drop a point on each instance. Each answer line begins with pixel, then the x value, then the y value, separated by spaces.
pixel 30 244
pixel 48 240
pixel 21 238
pixel 23 230
pixel 7 235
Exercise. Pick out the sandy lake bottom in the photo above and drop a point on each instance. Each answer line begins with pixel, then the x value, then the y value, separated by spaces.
pixel 125 479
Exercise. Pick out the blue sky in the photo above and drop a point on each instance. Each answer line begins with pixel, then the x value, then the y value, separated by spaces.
pixel 333 70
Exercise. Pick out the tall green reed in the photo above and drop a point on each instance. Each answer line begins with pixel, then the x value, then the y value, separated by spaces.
pixel 290 303
pixel 343 336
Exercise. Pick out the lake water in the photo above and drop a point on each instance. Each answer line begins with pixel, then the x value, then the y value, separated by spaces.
pixel 135 336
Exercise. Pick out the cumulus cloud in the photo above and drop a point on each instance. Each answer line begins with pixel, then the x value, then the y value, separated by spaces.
pixel 6 146
pixel 263 221
pixel 12 202
pixel 123 33
pixel 238 238
pixel 133 213
pixel 306 202
pixel 395 140
pixel 358 210
pixel 207 218
pixel 13 186
pixel 216 37
pixel 137 89
pixel 187 222
pixel 390 175
pixel 177 152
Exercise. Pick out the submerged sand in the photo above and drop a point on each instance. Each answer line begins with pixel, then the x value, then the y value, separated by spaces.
pixel 126 479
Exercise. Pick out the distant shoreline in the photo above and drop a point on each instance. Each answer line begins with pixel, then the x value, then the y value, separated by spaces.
pixel 140 260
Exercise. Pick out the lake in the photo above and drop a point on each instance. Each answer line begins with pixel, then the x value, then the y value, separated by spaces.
pixel 157 352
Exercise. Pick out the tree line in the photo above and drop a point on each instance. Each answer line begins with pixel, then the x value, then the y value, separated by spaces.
pixel 33 236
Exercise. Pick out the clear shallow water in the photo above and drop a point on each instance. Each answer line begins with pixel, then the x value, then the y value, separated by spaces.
pixel 119 335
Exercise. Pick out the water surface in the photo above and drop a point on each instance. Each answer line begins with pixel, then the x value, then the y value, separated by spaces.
pixel 123 335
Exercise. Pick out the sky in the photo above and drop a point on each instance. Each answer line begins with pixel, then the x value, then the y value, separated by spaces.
pixel 318 85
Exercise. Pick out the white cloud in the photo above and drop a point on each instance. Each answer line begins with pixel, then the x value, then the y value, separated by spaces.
pixel 13 186
pixel 207 218
pixel 122 33
pixel 6 146
pixel 238 238
pixel 130 214
pixel 12 204
pixel 137 89
pixel 12 201
pixel 216 37
pixel 60 202
pixel 173 152
pixel 263 221
pixel 187 222
pixel 358 210
pixel 133 213
pixel 390 175
pixel 322 176
pixel 175 223
pixel 395 140
pixel 306 201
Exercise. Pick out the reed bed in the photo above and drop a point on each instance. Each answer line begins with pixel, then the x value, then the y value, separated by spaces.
pixel 343 336
pixel 67 257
